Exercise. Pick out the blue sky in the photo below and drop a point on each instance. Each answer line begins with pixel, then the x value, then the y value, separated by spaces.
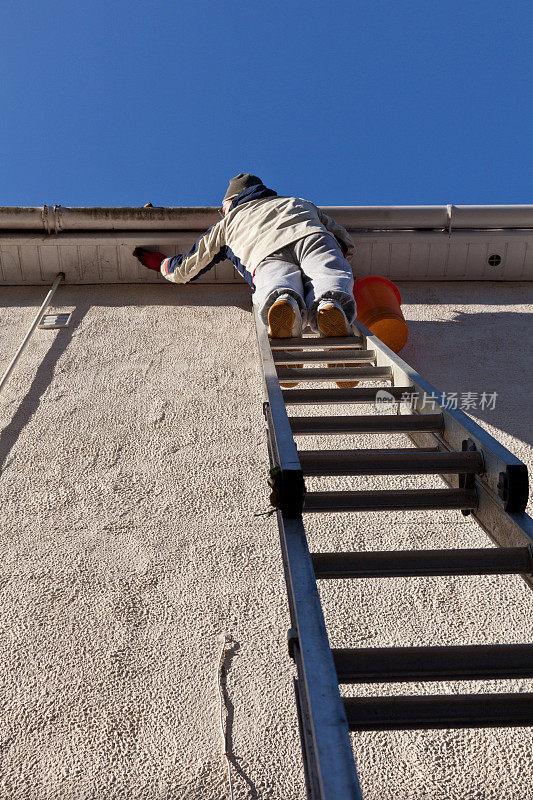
pixel 344 103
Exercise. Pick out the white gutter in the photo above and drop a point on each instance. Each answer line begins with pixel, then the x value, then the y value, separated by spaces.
pixel 56 219
pixel 95 245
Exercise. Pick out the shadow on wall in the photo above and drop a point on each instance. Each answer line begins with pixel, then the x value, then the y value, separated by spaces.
pixel 474 352
pixel 41 380
pixel 478 293
pixel 230 709
pixel 82 299
pixel 132 294
pixel 480 352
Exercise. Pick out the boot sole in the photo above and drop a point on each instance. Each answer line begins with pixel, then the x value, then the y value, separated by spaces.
pixel 280 321
pixel 332 322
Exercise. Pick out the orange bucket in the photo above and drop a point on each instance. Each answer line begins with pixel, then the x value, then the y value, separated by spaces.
pixel 378 308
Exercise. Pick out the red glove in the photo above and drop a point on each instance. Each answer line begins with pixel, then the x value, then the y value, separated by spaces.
pixel 148 258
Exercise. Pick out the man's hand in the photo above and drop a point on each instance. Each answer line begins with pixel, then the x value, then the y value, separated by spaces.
pixel 148 258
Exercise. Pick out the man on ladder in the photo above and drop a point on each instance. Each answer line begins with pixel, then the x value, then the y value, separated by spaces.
pixel 295 258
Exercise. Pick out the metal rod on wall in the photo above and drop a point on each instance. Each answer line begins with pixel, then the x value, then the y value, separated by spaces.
pixel 38 317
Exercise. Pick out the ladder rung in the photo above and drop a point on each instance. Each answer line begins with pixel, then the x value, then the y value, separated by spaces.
pixel 314 342
pixel 391 500
pixel 410 462
pixel 378 450
pixel 447 711
pixel 334 374
pixel 418 563
pixel 471 662
pixel 366 423
pixel 365 394
pixel 333 357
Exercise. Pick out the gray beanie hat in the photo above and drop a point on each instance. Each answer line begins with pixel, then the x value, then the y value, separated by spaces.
pixel 240 182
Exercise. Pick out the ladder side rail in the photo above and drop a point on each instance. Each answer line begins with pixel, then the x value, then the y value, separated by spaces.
pixel 304 705
pixel 457 424
pixel 330 768
pixel 285 451
pixel 505 526
pixel 333 768
pixel 312 788
pixel 289 483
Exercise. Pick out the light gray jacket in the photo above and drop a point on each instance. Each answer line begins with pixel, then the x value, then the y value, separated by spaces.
pixel 259 223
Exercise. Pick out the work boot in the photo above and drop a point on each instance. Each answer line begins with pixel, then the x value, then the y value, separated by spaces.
pixel 284 321
pixel 332 322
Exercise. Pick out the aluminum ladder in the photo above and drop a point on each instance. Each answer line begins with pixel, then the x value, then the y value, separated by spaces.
pixel 483 480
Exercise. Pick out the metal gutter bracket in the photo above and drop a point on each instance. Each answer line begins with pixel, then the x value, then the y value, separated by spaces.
pixel 51 219
pixel 449 212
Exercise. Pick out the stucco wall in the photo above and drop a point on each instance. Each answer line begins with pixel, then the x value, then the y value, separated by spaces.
pixel 133 457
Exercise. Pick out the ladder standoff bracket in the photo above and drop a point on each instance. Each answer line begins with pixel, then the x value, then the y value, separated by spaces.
pixel 292 641
pixel 469 446
pixel 266 406
pixel 274 481
pixel 467 480
pixel 288 491
pixel 513 488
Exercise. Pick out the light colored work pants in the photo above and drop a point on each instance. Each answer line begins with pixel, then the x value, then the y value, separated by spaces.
pixel 310 270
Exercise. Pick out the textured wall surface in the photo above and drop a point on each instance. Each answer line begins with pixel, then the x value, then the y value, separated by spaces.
pixel 132 458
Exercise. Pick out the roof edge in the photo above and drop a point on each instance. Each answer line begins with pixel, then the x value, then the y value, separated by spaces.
pixel 55 219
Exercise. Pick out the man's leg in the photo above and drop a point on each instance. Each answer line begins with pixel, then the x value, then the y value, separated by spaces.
pixel 278 276
pixel 328 283
pixel 278 295
pixel 326 275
